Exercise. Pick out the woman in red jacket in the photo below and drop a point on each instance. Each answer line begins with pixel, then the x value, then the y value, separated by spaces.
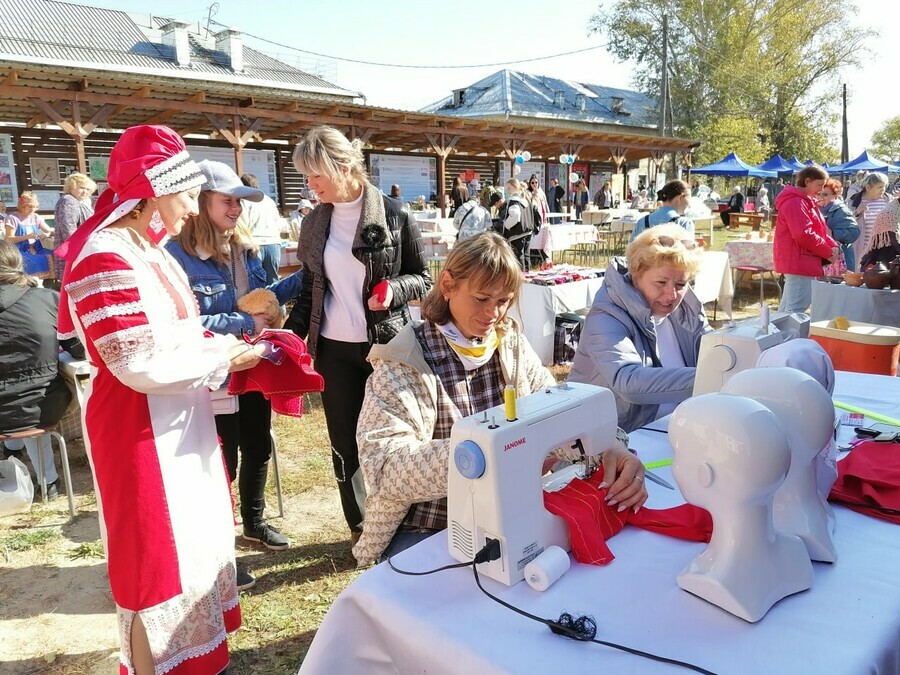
pixel 802 244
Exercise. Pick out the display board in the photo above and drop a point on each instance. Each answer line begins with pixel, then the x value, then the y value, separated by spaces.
pixel 9 188
pixel 415 175
pixel 261 163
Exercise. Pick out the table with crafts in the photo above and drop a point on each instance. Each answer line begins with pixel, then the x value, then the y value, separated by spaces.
pixel 539 304
pixel 847 623
pixel 754 252
pixel 878 306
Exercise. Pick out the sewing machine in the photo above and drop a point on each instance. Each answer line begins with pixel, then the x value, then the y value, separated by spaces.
pixel 494 484
pixel 737 346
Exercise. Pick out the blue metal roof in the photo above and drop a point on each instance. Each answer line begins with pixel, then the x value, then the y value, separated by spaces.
pixel 538 96
pixel 62 33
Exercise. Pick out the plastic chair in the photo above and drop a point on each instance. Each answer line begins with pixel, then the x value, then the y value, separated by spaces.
pixel 36 433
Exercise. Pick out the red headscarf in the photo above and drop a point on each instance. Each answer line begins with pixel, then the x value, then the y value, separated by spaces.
pixel 147 162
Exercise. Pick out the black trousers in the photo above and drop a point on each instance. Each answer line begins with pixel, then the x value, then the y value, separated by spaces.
pixel 345 370
pixel 248 431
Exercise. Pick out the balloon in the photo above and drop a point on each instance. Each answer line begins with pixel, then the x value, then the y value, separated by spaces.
pixel 570 159
pixel 526 156
pixel 516 169
pixel 574 177
pixel 520 159
pixel 563 159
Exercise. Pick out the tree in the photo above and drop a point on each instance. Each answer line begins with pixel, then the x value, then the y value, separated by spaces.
pixel 746 60
pixel 886 140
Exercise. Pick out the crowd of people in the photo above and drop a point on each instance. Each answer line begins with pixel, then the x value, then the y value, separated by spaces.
pixel 156 273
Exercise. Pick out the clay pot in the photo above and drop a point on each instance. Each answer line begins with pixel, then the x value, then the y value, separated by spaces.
pixel 895 272
pixel 853 278
pixel 877 276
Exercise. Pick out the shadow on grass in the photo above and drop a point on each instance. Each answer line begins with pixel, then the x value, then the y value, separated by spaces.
pixel 63 664
pixel 281 657
pixel 296 565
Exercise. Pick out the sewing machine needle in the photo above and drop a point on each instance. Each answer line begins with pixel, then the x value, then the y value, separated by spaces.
pixel 649 475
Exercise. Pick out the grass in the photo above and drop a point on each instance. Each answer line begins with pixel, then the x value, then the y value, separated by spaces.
pixel 295 587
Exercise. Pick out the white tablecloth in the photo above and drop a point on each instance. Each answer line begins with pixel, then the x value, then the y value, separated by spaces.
pixel 848 623
pixel 552 238
pixel 856 303
pixel 714 280
pixel 538 306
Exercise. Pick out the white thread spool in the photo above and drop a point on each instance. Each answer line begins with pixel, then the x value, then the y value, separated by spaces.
pixel 549 566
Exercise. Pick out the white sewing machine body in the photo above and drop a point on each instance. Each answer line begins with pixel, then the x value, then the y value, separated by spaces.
pixel 736 347
pixel 494 488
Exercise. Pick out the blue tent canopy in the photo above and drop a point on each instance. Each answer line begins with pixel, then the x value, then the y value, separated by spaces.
pixel 732 165
pixel 796 163
pixel 865 162
pixel 776 163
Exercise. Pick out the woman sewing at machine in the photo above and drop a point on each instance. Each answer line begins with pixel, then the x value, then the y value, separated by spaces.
pixel 642 336
pixel 453 364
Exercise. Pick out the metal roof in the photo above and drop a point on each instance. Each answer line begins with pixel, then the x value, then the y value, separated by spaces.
pixel 62 33
pixel 516 94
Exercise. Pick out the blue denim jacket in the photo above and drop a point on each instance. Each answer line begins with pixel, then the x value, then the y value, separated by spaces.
pixel 215 293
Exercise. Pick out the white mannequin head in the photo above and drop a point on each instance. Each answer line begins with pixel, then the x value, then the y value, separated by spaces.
pixel 731 455
pixel 806 413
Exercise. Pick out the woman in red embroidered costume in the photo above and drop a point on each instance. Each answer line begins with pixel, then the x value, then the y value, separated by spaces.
pixel 162 491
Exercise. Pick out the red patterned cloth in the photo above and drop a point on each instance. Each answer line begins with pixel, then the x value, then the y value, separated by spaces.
pixel 868 478
pixel 591 521
pixel 284 383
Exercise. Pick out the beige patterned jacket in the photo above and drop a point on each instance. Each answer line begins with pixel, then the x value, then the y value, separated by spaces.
pixel 401 464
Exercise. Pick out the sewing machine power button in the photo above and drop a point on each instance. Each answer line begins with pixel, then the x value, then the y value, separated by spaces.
pixel 469 459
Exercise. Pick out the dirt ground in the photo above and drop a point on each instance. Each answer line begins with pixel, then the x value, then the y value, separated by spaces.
pixel 56 613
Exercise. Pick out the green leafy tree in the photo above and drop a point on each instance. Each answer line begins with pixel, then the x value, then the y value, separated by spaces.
pixel 886 140
pixel 758 63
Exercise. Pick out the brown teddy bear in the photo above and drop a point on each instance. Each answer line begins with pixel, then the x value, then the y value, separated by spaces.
pixel 262 301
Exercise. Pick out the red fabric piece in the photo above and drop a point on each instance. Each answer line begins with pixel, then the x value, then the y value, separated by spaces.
pixel 283 384
pixel 380 290
pixel 870 476
pixel 591 521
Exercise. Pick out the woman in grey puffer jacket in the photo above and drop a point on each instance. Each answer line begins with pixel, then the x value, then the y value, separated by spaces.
pixel 642 336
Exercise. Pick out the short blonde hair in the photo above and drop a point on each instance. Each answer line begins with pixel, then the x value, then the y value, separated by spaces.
pixel 325 151
pixel 486 260
pixel 76 178
pixel 667 245
pixel 515 187
pixel 29 197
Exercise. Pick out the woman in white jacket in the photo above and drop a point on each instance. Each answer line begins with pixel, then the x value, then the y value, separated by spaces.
pixel 453 364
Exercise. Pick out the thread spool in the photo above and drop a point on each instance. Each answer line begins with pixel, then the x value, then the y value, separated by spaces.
pixel 543 571
pixel 509 402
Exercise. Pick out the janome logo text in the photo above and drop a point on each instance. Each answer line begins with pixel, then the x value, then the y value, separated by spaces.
pixel 514 444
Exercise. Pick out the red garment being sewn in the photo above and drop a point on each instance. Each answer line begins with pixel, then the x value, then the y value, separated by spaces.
pixel 591 521
pixel 870 477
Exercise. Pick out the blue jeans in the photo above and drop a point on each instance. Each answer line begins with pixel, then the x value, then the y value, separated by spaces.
pixel 402 541
pixel 796 296
pixel 270 257
pixel 849 256
pixel 33 446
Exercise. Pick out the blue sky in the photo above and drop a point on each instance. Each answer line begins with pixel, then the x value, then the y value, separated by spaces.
pixel 429 33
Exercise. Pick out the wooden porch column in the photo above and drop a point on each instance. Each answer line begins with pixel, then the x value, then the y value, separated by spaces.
pixel 569 150
pixel 237 136
pixel 618 156
pixel 442 146
pixel 74 128
pixel 656 159
pixel 687 159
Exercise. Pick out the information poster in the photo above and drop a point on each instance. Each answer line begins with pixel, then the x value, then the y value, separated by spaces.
pixel 261 163
pixel 9 189
pixel 416 176
pixel 524 173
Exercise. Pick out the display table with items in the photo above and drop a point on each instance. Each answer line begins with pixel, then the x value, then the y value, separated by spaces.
pixel 555 290
pixel 847 622
pixel 869 305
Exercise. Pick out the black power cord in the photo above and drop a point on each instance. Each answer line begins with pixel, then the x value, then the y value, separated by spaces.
pixel 581 628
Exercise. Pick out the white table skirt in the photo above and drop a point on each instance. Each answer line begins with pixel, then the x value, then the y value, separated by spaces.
pixel 538 306
pixel 552 238
pixel 714 280
pixel 848 623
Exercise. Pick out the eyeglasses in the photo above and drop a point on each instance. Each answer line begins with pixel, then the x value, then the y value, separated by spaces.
pixel 668 242
pixel 534 182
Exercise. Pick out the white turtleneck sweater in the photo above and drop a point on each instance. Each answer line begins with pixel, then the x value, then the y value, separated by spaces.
pixel 345 315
